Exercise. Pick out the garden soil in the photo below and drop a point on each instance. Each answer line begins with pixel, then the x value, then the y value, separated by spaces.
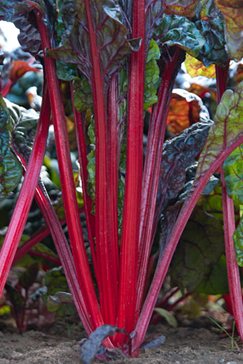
pixel 60 345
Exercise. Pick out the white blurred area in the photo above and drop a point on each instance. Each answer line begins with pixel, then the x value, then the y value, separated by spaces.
pixel 8 36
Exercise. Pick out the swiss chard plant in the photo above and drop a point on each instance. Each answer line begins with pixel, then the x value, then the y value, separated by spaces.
pixel 110 66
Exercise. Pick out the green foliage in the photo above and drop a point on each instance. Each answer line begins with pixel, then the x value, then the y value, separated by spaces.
pixel 180 31
pixel 238 240
pixel 10 168
pixel 151 75
pixel 197 259
pixel 228 127
pixel 233 171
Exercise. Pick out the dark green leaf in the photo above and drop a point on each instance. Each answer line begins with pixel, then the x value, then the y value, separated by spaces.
pixel 10 168
pixel 217 280
pixel 202 245
pixel 228 127
pixel 180 31
pixel 111 35
pixel 179 153
pixel 233 171
pixel 211 26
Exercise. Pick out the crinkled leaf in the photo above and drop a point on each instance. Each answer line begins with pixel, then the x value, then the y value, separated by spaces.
pixel 232 11
pixel 111 35
pixel 227 128
pixel 179 153
pixel 184 110
pixel 211 26
pixel 10 168
pixel 202 245
pixel 90 347
pixel 154 11
pixel 233 171
pixel 196 68
pixel 151 75
pixel 7 9
pixel 238 240
pixel 180 31
pixel 83 100
pixel 181 7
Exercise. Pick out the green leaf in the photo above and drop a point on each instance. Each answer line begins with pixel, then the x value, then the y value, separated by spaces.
pixel 10 168
pixel 211 26
pixel 227 128
pixel 238 240
pixel 83 100
pixel 233 171
pixel 151 75
pixel 167 315
pixel 217 281
pixel 232 12
pixel 201 247
pixel 110 30
pixel 180 31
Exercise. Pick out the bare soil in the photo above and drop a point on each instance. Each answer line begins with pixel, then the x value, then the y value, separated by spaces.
pixel 194 343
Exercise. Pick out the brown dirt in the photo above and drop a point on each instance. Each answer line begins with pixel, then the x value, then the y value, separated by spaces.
pixel 191 344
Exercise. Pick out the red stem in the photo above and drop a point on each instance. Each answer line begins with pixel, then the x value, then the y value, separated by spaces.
pixel 45 256
pixel 20 214
pixel 29 244
pixel 229 224
pixel 231 261
pixel 63 250
pixel 152 167
pixel 112 177
pixel 67 182
pixel 107 270
pixel 83 162
pixel 134 165
pixel 163 264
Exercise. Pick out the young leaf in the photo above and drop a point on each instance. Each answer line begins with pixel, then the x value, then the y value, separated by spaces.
pixel 228 127
pixel 232 12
